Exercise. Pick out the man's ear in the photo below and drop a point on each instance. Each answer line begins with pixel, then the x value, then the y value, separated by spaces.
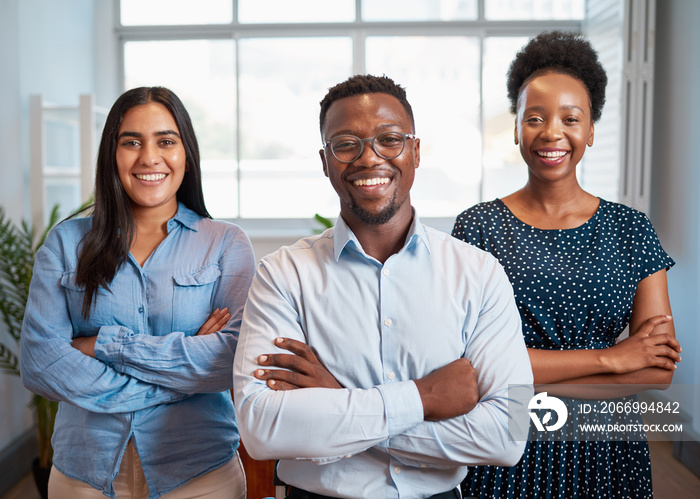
pixel 416 151
pixel 322 153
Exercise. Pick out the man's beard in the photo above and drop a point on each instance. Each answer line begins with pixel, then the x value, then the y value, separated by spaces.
pixel 370 218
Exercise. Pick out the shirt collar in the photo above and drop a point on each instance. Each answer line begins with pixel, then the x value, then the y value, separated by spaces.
pixel 343 236
pixel 185 217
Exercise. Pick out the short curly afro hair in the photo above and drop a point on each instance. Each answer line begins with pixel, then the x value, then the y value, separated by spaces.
pixel 365 84
pixel 559 52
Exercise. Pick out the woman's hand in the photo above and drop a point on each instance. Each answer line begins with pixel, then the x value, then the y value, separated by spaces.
pixel 301 369
pixel 86 344
pixel 644 348
pixel 216 322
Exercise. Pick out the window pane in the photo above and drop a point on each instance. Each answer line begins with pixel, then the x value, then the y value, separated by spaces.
pixel 202 74
pixel 282 81
pixel 64 192
pixel 298 11
pixel 599 171
pixel 419 10
pixel 441 78
pixel 175 12
pixel 62 138
pixel 534 9
pixel 504 169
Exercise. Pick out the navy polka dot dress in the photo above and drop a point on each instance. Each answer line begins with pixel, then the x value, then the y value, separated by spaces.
pixel 574 289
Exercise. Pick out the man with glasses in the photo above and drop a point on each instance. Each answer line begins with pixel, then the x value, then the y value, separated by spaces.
pixel 374 359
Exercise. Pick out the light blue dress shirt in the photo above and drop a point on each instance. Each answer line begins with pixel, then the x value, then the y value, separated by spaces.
pixel 376 328
pixel 153 381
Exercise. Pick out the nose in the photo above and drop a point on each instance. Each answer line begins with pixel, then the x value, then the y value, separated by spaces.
pixel 368 156
pixel 150 154
pixel 552 130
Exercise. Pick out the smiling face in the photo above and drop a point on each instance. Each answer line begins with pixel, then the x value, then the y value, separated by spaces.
pixel 553 126
pixel 150 158
pixel 372 190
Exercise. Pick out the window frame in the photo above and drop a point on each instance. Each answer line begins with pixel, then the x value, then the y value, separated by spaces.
pixel 358 30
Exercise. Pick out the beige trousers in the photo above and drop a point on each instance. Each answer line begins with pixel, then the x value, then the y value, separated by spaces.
pixel 226 482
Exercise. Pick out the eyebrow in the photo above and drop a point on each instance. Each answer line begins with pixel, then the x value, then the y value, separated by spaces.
pixel 157 134
pixel 381 128
pixel 568 108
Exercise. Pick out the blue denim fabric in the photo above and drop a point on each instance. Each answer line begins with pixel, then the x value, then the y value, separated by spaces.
pixel 153 380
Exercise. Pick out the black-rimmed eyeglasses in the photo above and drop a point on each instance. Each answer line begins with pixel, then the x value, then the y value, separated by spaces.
pixel 387 145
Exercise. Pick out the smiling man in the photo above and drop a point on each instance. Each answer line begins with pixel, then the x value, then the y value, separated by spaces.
pixel 374 359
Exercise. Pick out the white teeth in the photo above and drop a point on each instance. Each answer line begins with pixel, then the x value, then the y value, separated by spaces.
pixel 371 181
pixel 150 176
pixel 553 154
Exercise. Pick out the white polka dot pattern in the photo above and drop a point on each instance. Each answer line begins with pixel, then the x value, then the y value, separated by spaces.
pixel 574 289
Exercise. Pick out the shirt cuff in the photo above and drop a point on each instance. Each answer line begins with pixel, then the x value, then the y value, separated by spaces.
pixel 109 343
pixel 403 406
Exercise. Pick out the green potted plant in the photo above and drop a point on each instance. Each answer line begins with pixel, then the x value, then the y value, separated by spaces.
pixel 327 223
pixel 18 247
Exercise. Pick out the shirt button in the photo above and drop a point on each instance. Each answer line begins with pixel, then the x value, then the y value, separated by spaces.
pixel 140 310
pixel 391 375
pixel 386 272
pixel 387 322
pixel 348 456
pixel 397 470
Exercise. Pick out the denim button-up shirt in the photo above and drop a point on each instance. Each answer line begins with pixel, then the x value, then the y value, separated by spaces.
pixel 154 380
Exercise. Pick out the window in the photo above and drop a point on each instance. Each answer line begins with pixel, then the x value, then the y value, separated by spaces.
pixel 175 12
pixel 252 72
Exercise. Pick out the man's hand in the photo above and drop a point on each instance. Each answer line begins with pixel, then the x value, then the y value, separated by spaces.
pixel 216 322
pixel 301 369
pixel 449 392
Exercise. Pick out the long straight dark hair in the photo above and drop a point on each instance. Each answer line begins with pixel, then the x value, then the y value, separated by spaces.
pixel 105 248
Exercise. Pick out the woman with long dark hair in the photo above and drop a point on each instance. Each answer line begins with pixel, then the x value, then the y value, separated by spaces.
pixel 582 270
pixel 133 318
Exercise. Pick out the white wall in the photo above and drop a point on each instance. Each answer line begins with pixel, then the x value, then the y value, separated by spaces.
pixel 675 200
pixel 48 47
pixel 14 416
pixel 11 178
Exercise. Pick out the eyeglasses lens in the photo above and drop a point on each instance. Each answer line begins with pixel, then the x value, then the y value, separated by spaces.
pixel 387 145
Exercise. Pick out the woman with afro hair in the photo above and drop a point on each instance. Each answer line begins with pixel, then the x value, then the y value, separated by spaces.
pixel 583 269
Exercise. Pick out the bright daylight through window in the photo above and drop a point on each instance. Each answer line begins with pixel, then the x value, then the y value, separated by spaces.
pixel 252 73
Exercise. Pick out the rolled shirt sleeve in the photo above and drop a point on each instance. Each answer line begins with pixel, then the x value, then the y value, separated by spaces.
pixel 188 363
pixel 51 367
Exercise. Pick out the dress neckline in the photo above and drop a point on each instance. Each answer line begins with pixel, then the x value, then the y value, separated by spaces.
pixel 504 207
